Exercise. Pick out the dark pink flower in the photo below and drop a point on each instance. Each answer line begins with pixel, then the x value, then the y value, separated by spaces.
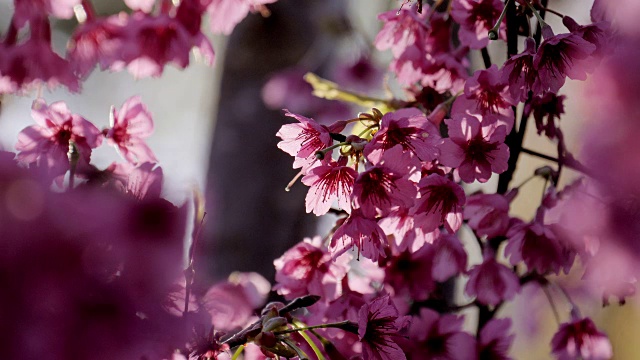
pixel 475 150
pixel 308 268
pixel 519 73
pixel 580 339
pixel 142 5
pixel 493 342
pixel 47 143
pixel 488 214
pixel 360 232
pixel 378 324
pixel 448 257
pixel 539 248
pixel 434 336
pixel 154 41
pixel 440 203
pixel 446 72
pixel 129 127
pixel 546 109
pixel 328 183
pixel 224 15
pixel 385 186
pixel 303 139
pixel 476 18
pixel 408 128
pixel 411 273
pixel 361 75
pixel 491 282
pixel 558 57
pixel 597 34
pixel 486 93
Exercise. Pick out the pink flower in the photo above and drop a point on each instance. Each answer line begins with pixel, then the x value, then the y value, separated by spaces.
pixel 143 181
pixel 488 214
pixel 434 336
pixel 361 232
pixel 493 342
pixel 475 150
pixel 26 10
pixel 154 41
pixel 33 62
pixel 401 30
pixel 360 75
pixel 129 126
pixel 385 186
pixel 47 143
pixel 581 339
pixel 378 323
pixel 491 282
pixel 224 15
pixel 448 257
pixel 231 303
pixel 303 139
pixel 100 41
pixel 539 248
pixel 328 183
pixel 476 18
pixel 440 203
pixel 411 273
pixel 408 128
pixel 446 72
pixel 558 57
pixel 308 268
pixel 399 225
pixel 519 72
pixel 486 93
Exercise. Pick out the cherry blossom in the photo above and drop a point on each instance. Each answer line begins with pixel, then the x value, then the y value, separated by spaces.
pixel 303 139
pixel 224 15
pixel 434 336
pixel 129 127
pixel 440 203
pixel 476 18
pixel 491 282
pixel 328 183
pixel 493 342
pixel 46 144
pixel 378 324
pixel 581 339
pixel 360 232
pixel 475 150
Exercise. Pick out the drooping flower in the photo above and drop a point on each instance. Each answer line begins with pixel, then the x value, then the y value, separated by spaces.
pixel 539 248
pixel 519 73
pixel 385 186
pixel 488 214
pixel 476 18
pixel 558 57
pixel 411 273
pixel 308 268
pixel 129 127
pixel 493 342
pixel 440 203
pixel 434 336
pixel 492 282
pixel 328 183
pixel 400 225
pixel 401 30
pixel 581 339
pixel 360 232
pixel 475 150
pixel 410 129
pixel 546 109
pixel 34 62
pixel 141 5
pixel 46 144
pixel 448 257
pixel 28 10
pixel 378 323
pixel 143 181
pixel 303 139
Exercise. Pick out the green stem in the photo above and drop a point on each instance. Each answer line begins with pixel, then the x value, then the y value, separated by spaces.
pixel 312 345
pixel 535 12
pixel 339 325
pixel 238 352
pixel 494 31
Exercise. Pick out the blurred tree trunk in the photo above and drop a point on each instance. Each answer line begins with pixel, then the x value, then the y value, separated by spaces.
pixel 251 219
